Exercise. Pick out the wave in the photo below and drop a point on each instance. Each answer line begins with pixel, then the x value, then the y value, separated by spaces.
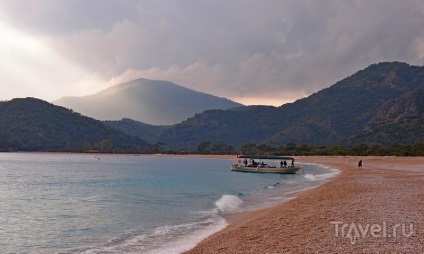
pixel 319 177
pixel 166 239
pixel 170 238
pixel 326 176
pixel 228 203
pixel 310 177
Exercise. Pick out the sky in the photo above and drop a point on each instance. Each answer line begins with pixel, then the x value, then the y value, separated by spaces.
pixel 253 52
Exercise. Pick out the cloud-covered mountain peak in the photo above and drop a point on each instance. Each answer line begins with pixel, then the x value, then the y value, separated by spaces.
pixel 149 101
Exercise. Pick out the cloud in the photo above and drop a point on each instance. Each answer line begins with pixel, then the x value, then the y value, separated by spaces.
pixel 27 63
pixel 280 50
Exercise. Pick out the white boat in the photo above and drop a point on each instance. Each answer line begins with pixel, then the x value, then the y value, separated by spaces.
pixel 265 164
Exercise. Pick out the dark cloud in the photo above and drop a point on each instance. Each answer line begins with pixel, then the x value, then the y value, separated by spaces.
pixel 228 48
pixel 61 17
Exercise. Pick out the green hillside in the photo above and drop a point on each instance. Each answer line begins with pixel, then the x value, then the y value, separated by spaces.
pixel 329 116
pixel 147 132
pixel 34 125
pixel 398 121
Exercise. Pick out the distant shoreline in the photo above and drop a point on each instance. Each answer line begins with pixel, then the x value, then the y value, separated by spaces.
pixel 387 191
pixel 201 156
pixel 299 158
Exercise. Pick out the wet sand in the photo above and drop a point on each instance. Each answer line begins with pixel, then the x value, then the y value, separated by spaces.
pixel 376 209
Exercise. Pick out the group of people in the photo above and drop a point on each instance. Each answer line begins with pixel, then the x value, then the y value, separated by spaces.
pixel 253 163
pixel 283 164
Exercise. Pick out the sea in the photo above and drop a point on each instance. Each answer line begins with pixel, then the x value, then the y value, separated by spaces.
pixel 95 203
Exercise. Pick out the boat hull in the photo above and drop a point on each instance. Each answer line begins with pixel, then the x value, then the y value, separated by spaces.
pixel 287 170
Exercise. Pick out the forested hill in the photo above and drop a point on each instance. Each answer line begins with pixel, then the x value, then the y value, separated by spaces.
pixel 34 125
pixel 398 121
pixel 335 115
pixel 147 132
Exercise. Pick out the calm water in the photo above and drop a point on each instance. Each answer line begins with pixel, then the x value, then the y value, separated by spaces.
pixel 69 203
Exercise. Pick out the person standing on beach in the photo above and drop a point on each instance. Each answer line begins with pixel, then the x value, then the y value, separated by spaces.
pixel 360 164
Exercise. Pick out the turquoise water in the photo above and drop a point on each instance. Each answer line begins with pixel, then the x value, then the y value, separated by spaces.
pixel 72 203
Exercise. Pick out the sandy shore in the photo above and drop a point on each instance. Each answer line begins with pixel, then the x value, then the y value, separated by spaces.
pixel 377 209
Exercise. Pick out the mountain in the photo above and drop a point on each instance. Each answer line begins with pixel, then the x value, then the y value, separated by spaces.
pixel 398 121
pixel 148 101
pixel 329 116
pixel 34 125
pixel 147 132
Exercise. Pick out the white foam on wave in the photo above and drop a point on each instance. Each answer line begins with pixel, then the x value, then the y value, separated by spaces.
pixel 333 170
pixel 188 238
pixel 326 176
pixel 168 239
pixel 310 177
pixel 228 203
pixel 319 177
pixel 171 239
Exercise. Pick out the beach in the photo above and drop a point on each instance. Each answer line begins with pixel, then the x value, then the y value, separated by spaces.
pixel 374 209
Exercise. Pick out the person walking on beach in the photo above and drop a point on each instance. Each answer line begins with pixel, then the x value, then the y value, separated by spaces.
pixel 360 164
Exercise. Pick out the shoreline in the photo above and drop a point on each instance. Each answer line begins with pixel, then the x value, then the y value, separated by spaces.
pixel 200 156
pixel 386 195
pixel 232 218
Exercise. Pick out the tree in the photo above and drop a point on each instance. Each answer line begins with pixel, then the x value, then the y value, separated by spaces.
pixel 360 149
pixel 250 149
pixel 157 148
pixel 105 146
pixel 222 148
pixel 202 148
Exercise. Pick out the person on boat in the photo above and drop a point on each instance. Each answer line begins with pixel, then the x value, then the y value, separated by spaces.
pixel 245 162
pixel 285 164
pixel 292 162
pixel 360 164
pixel 281 163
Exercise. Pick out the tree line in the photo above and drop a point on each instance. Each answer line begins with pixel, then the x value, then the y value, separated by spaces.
pixel 360 149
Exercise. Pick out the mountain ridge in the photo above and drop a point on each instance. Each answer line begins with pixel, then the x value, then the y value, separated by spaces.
pixel 381 105
pixel 30 124
pixel 329 116
pixel 147 101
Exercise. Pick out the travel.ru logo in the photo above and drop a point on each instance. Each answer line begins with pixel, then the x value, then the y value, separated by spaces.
pixel 354 231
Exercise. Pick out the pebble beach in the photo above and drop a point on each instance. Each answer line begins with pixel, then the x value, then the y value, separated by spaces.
pixel 374 209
